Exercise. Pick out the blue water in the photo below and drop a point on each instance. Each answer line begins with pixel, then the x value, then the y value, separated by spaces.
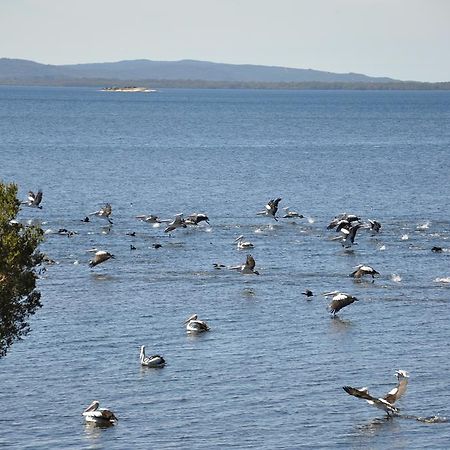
pixel 270 373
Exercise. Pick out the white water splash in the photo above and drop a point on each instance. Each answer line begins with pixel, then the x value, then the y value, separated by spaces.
pixel 405 237
pixel 442 280
pixel 396 277
pixel 424 226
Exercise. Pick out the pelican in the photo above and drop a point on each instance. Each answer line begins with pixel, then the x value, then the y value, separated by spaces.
pixel 364 270
pixel 288 214
pixel 241 244
pixel 149 219
pixel 103 213
pixel 177 222
pixel 340 300
pixel 99 257
pixel 271 208
pixel 375 226
pixel 248 267
pixel 349 239
pixel 100 416
pixel 34 200
pixel 385 403
pixel 196 218
pixel 151 361
pixel 194 325
pixel 340 217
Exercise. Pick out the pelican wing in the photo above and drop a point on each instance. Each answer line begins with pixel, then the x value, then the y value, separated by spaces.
pixel 394 394
pixel 340 301
pixel 378 402
pixel 250 263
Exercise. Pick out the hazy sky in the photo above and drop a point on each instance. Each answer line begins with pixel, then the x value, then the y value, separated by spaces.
pixel 404 39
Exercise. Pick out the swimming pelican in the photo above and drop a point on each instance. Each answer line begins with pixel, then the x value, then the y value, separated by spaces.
pixel 196 218
pixel 194 325
pixel 340 300
pixel 288 214
pixel 177 222
pixel 385 403
pixel 248 267
pixel 271 208
pixel 149 219
pixel 362 270
pixel 34 200
pixel 103 213
pixel 99 257
pixel 156 361
pixel 100 416
pixel 241 244
pixel 341 217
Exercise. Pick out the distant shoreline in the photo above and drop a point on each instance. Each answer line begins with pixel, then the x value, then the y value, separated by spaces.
pixel 202 84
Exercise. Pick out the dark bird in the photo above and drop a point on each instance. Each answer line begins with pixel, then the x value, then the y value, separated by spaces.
pixel 104 213
pixel 99 257
pixel 340 300
pixel 219 266
pixel 385 403
pixel 195 219
pixel 308 293
pixel 271 208
pixel 34 200
pixel 437 249
pixel 132 247
pixel 177 222
pixel 86 219
pixel 156 245
pixel 364 270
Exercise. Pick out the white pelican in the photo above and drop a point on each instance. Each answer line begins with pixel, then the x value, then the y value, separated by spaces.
pixel 177 222
pixel 149 219
pixel 364 270
pixel 196 218
pixel 151 361
pixel 375 226
pixel 103 213
pixel 350 235
pixel 271 208
pixel 241 244
pixel 34 200
pixel 248 267
pixel 100 416
pixel 99 257
pixel 194 325
pixel 385 403
pixel 342 217
pixel 340 300
pixel 288 214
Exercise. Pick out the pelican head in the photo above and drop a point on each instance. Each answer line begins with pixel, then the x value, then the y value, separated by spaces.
pixel 193 317
pixel 92 407
pixel 239 238
pixel 401 374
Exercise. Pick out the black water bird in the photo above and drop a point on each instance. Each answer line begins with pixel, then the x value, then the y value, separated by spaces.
pixel 308 293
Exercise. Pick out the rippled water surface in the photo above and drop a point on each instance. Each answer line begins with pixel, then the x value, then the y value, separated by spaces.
pixel 270 372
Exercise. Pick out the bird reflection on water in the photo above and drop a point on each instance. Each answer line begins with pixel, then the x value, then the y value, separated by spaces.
pixel 340 325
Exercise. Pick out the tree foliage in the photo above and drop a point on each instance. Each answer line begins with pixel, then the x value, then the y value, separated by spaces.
pixel 18 260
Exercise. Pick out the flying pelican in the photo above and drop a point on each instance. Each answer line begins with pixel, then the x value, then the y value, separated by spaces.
pixel 149 219
pixel 248 267
pixel 99 257
pixel 196 218
pixel 375 226
pixel 288 214
pixel 362 270
pixel 177 222
pixel 241 244
pixel 103 213
pixel 340 300
pixel 151 361
pixel 385 403
pixel 340 217
pixel 271 208
pixel 100 416
pixel 34 200
pixel 349 239
pixel 194 325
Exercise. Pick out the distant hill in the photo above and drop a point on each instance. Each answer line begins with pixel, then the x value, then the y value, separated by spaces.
pixel 17 69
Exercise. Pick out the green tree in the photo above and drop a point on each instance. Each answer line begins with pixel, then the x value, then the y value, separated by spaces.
pixel 18 260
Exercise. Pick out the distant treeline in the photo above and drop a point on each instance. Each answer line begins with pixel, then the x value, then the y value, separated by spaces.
pixel 202 84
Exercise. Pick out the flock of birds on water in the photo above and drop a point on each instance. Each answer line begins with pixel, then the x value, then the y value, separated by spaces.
pixel 345 224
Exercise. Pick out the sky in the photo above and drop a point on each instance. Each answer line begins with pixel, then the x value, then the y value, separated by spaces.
pixel 402 39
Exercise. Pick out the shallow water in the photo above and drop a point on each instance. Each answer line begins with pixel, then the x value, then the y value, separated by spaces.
pixel 270 372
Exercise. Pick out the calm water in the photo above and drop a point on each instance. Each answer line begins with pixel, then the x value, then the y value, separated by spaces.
pixel 270 373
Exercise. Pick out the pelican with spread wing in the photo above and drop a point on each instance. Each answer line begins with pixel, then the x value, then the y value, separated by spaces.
pixel 387 402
